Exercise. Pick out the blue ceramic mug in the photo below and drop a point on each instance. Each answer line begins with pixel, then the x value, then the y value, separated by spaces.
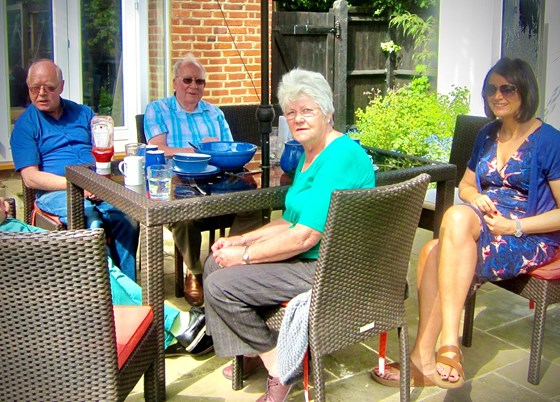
pixel 156 157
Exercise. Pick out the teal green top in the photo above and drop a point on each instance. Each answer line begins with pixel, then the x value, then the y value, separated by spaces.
pixel 342 165
pixel 15 225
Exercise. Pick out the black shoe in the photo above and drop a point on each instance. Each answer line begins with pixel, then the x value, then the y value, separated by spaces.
pixel 176 350
pixel 196 330
pixel 206 345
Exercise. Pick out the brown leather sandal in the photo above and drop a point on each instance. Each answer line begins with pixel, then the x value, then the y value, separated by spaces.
pixel 454 362
pixel 417 378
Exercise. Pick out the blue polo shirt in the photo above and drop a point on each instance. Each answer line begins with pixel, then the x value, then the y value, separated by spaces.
pixel 167 116
pixel 39 139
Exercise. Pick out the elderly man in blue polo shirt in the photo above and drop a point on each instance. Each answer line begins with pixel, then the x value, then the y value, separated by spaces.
pixel 51 134
pixel 174 123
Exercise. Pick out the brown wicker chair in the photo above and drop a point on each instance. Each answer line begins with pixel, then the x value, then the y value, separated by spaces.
pixel 58 339
pixel 542 288
pixel 466 129
pixel 35 216
pixel 359 284
pixel 242 120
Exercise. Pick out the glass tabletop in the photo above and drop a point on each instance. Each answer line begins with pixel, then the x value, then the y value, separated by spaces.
pixel 220 182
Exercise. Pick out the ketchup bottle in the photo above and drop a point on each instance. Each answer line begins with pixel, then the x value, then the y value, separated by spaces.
pixel 102 131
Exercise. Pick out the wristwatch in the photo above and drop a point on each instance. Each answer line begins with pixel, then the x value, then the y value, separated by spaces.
pixel 246 256
pixel 518 232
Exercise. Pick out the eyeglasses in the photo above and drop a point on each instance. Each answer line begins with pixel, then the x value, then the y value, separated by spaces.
pixel 49 88
pixel 306 113
pixel 507 90
pixel 189 80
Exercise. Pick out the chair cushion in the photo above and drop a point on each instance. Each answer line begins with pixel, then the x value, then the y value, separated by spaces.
pixel 131 323
pixel 548 272
pixel 37 210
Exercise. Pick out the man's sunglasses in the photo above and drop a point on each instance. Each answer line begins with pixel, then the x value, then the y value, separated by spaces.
pixel 507 90
pixel 35 89
pixel 188 81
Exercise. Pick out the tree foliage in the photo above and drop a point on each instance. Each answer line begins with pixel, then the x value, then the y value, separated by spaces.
pixel 413 119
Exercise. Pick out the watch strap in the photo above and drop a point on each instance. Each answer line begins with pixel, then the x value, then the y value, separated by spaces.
pixel 245 256
pixel 518 230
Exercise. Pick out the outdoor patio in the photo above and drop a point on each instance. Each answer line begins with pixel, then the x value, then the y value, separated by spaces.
pixel 495 366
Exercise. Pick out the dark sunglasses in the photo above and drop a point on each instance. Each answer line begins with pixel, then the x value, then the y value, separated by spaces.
pixel 188 81
pixel 507 90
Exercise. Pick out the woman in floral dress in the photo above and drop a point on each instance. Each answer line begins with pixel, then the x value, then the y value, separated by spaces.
pixel 509 224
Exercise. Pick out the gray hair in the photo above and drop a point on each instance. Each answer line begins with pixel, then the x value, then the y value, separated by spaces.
pixel 58 70
pixel 299 82
pixel 188 59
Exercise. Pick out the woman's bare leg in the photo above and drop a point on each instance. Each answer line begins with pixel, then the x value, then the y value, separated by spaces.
pixel 429 324
pixel 445 272
pixel 457 263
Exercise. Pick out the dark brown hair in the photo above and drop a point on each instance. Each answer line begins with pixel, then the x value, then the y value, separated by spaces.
pixel 520 74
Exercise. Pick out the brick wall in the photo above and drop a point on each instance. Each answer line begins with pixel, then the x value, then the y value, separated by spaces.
pixel 201 27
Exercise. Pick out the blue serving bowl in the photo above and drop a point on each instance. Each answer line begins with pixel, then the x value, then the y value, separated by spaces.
pixel 190 162
pixel 228 155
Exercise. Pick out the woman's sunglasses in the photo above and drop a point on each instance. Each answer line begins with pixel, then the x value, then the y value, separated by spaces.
pixel 507 90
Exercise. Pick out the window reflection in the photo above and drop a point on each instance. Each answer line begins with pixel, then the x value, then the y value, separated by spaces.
pixel 30 37
pixel 102 57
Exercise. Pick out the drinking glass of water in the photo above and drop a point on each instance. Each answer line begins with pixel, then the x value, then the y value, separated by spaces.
pixel 159 182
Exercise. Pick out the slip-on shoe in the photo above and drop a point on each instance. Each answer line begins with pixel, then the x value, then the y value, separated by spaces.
pixel 196 330
pixel 204 346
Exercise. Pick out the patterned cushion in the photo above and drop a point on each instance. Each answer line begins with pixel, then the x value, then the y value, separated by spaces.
pixel 131 323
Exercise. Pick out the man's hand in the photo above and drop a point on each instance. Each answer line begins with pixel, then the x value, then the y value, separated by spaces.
pixel 210 139
pixel 4 208
pixel 90 196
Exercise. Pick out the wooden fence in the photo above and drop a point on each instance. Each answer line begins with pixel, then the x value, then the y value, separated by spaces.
pixel 344 45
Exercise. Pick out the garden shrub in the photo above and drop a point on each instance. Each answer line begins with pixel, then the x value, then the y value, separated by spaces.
pixel 412 119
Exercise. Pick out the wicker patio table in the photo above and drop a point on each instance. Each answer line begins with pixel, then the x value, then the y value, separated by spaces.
pixel 266 193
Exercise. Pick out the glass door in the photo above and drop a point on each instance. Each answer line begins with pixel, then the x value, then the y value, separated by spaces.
pixel 30 37
pixel 102 57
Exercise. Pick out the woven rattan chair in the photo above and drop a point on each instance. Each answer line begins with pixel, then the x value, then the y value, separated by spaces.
pixel 61 338
pixel 12 207
pixel 242 120
pixel 542 288
pixel 33 215
pixel 359 284
pixel 466 129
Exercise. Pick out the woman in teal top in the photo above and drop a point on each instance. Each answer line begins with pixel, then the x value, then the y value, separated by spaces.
pixel 277 262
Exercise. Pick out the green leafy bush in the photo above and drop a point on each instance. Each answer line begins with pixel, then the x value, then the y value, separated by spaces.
pixel 412 119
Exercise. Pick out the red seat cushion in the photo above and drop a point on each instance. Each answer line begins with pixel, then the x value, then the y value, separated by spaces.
pixel 549 271
pixel 37 210
pixel 131 323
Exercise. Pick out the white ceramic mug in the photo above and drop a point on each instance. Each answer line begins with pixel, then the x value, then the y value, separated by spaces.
pixel 132 167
